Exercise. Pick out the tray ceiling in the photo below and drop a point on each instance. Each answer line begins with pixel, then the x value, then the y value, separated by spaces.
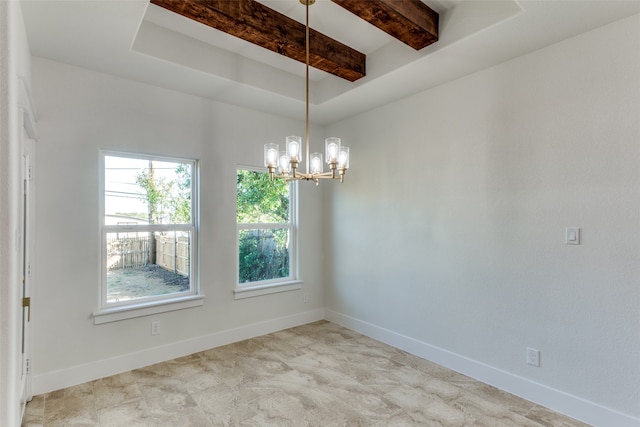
pixel 137 40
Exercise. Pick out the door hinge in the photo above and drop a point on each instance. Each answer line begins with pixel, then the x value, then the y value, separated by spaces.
pixel 28 366
pixel 26 302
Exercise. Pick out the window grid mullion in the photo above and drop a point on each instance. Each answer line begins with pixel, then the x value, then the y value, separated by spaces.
pixel 259 226
pixel 147 227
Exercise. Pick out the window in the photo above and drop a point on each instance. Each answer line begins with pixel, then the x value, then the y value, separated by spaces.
pixel 266 222
pixel 149 233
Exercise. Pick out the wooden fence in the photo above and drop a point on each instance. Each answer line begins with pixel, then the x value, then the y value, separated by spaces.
pixel 127 252
pixel 171 252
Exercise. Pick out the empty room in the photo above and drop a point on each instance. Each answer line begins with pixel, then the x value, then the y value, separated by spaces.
pixel 320 213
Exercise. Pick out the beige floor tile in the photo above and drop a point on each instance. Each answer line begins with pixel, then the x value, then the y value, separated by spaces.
pixel 166 399
pixel 34 412
pixel 73 406
pixel 318 374
pixel 549 418
pixel 116 390
pixel 130 414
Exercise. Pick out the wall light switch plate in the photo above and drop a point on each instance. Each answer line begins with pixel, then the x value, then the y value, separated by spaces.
pixel 572 236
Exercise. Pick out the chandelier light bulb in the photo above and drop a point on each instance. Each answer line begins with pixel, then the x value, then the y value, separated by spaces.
pixel 316 163
pixel 332 146
pixel 343 158
pixel 271 155
pixel 284 164
pixel 293 148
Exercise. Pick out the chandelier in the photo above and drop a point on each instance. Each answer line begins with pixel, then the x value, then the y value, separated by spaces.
pixel 285 164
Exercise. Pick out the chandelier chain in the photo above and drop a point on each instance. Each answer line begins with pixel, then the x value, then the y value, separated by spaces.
pixel 307 48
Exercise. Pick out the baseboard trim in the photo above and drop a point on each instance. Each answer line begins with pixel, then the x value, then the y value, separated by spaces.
pixel 56 380
pixel 559 401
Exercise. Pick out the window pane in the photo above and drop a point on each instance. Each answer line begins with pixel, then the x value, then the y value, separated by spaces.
pixel 143 265
pixel 264 254
pixel 142 191
pixel 260 200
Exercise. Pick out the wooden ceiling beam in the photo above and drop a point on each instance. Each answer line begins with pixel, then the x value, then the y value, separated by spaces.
pixel 258 24
pixel 410 21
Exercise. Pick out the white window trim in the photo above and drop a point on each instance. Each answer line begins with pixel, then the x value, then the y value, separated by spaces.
pixel 146 308
pixel 153 305
pixel 284 284
pixel 266 289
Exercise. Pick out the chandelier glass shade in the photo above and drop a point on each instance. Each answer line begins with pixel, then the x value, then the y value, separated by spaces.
pixel 285 164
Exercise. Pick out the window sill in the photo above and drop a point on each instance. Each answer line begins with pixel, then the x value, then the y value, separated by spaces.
pixel 271 288
pixel 146 309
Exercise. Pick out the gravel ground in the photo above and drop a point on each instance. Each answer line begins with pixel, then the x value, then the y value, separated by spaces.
pixel 141 282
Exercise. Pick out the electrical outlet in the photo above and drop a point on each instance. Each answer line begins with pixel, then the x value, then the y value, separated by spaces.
pixel 155 328
pixel 305 297
pixel 533 357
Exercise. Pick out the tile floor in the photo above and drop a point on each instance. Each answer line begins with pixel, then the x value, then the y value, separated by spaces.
pixel 319 374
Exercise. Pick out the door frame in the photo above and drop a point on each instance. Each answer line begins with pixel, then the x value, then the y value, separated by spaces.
pixel 27 135
pixel 27 249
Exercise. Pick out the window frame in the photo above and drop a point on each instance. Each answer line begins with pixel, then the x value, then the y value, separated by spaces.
pixel 108 312
pixel 281 284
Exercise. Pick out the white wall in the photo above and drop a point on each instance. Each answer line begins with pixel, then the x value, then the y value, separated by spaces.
pixel 81 111
pixel 14 65
pixel 449 234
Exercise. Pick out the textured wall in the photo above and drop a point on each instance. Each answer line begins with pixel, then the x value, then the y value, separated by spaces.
pixel 450 229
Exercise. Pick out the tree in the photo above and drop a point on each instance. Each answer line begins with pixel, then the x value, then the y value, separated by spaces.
pixel 261 200
pixel 156 193
pixel 181 203
pixel 263 253
pixel 167 200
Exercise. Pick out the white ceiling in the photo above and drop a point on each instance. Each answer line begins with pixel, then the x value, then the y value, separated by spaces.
pixel 136 40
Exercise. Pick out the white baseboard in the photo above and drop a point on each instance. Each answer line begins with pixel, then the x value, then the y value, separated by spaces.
pixel 559 401
pixel 588 412
pixel 74 375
